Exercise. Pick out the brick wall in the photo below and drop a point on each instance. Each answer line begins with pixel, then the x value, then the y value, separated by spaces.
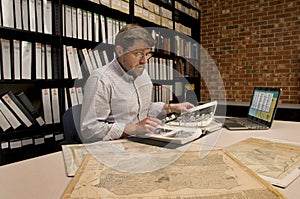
pixel 251 43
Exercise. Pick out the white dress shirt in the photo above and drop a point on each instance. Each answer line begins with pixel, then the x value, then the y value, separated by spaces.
pixel 112 98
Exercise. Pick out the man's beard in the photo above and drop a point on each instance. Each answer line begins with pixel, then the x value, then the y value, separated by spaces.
pixel 137 71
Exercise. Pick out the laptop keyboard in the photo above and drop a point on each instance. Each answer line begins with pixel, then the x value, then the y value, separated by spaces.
pixel 249 124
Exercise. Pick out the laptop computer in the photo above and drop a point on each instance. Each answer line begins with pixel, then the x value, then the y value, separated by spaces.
pixel 261 112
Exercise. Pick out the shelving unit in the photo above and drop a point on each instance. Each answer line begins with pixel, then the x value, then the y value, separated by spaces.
pixel 26 142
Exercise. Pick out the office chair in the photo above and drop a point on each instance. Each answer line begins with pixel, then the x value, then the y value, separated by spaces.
pixel 71 124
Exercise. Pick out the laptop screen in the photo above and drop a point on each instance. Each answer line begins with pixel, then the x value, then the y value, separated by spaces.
pixel 264 104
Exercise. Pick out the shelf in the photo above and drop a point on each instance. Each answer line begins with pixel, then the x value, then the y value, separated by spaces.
pixel 24 35
pixel 58 40
pixel 30 131
pixel 98 8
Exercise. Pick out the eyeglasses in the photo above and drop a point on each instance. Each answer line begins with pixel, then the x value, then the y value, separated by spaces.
pixel 140 55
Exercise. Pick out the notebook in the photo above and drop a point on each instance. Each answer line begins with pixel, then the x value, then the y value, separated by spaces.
pixel 261 112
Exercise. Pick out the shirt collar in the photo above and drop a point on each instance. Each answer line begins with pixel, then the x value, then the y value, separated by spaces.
pixel 122 72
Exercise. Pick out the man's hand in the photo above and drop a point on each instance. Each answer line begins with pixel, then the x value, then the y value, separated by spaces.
pixel 147 125
pixel 178 108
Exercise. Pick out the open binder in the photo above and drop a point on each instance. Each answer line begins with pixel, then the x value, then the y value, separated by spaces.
pixel 185 127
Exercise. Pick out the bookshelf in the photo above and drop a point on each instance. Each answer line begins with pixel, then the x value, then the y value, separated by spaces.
pixel 63 37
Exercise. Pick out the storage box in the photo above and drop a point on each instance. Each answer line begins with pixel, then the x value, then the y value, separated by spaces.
pixel 154 18
pixel 105 2
pixel 124 7
pixel 145 14
pixel 151 7
pixel 165 13
pixel 166 23
pixel 115 4
pixel 156 9
pixel 138 11
pixel 139 3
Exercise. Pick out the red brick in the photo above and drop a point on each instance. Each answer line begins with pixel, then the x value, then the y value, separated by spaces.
pixel 247 38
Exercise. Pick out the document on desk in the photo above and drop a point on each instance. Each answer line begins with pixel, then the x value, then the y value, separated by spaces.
pixel 74 154
pixel 277 161
pixel 190 176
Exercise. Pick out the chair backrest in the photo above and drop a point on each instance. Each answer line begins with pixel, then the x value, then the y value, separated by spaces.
pixel 71 124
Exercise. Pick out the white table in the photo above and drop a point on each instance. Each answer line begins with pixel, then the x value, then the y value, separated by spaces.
pixel 45 176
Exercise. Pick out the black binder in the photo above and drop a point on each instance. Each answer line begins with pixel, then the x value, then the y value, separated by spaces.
pixel 22 108
pixel 29 106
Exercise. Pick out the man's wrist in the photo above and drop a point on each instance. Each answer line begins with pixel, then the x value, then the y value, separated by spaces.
pixel 169 108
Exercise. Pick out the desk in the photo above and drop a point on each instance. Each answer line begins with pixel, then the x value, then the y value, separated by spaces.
pixel 45 177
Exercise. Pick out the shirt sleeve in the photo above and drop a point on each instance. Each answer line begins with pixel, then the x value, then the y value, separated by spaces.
pixel 155 109
pixel 94 113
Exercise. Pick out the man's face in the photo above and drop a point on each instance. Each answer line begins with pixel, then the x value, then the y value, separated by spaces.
pixel 135 57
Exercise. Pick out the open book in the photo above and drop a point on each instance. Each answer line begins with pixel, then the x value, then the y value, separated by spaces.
pixel 187 126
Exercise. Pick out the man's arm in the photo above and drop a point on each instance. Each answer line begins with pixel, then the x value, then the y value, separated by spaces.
pixel 95 110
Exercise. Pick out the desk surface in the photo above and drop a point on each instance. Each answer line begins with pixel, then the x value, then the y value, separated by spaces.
pixel 45 176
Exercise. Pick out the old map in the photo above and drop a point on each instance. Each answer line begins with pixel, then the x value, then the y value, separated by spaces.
pixel 75 154
pixel 215 176
pixel 277 161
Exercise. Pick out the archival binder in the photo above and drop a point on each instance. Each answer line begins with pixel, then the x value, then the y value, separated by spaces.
pixel 14 122
pixel 6 59
pixel 25 14
pixel 0 16
pixel 29 106
pixel 56 62
pixel 77 62
pixel 26 59
pixel 39 145
pixel 79 23
pixel 66 99
pixel 27 147
pixel 68 21
pixel 55 105
pixel 18 18
pixel 49 142
pixel 105 57
pixel 17 59
pixel 43 60
pixel 32 16
pixel 73 96
pixel 103 30
pixel 98 58
pixel 38 60
pixel 86 60
pixel 46 99
pixel 39 16
pixel 65 62
pixel 89 26
pixel 109 30
pixel 7 13
pixel 4 152
pixel 92 58
pixel 4 124
pixel 84 25
pixel 18 108
pixel 79 94
pixel 74 22
pixel 48 61
pixel 15 150
pixel 96 27
pixel 71 62
pixel 47 17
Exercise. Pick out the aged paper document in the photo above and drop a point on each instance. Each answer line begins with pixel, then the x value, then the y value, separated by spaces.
pixel 74 154
pixel 216 175
pixel 276 161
